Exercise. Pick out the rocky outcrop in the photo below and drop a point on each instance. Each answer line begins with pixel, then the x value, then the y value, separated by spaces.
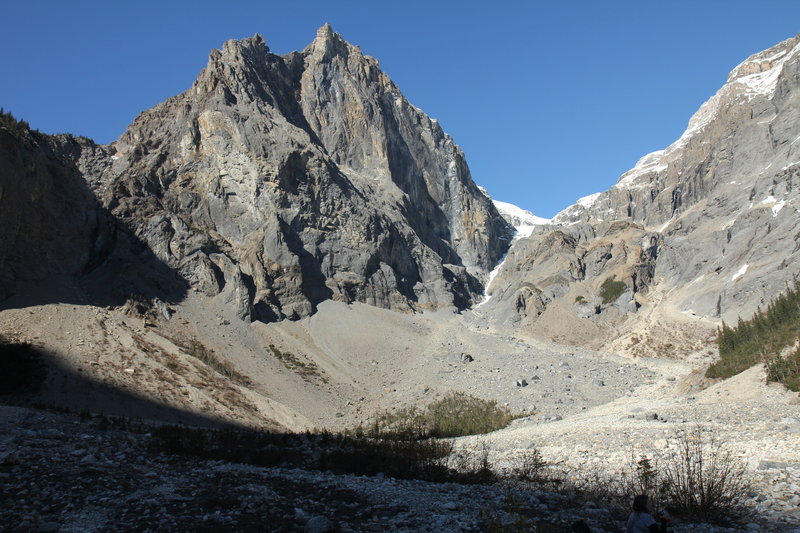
pixel 53 227
pixel 272 184
pixel 39 184
pixel 277 182
pixel 712 220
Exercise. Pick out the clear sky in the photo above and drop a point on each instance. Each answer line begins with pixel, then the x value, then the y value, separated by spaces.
pixel 550 101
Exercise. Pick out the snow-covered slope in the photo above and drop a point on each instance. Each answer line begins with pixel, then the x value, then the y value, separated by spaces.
pixel 522 220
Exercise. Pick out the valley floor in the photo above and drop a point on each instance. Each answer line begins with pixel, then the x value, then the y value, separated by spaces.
pixel 591 412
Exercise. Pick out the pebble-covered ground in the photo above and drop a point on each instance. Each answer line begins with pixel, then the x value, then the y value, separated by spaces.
pixel 63 473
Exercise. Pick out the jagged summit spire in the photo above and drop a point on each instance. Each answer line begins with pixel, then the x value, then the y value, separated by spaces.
pixel 325 31
pixel 328 42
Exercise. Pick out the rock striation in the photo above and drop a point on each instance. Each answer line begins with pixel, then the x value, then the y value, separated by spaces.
pixel 277 182
pixel 711 221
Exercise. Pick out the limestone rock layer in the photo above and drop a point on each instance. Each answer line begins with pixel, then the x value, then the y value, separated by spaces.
pixel 277 182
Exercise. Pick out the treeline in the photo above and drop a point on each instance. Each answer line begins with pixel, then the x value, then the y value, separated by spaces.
pixel 12 124
pixel 762 339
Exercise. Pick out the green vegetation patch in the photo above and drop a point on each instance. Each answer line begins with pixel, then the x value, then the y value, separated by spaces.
pixel 455 415
pixel 306 369
pixel 612 289
pixel 761 340
pixel 200 351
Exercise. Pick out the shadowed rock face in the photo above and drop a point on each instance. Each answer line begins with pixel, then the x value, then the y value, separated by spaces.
pixel 53 226
pixel 712 220
pixel 277 182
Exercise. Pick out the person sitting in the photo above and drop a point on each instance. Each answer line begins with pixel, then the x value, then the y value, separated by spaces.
pixel 641 519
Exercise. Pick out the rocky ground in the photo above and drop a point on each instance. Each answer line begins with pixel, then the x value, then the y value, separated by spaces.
pixel 589 411
pixel 62 473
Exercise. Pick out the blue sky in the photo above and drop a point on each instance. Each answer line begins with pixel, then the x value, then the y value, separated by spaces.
pixel 550 101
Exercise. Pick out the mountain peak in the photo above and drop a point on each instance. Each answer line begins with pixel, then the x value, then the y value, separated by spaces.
pixel 325 31
pixel 328 43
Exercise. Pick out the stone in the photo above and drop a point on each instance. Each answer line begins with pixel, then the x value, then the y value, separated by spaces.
pixel 522 383
pixel 319 524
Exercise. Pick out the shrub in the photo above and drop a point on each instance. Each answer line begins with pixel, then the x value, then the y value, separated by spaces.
pixel 703 479
pixel 699 480
pixel 428 459
pixel 455 415
pixel 473 465
pixel 785 370
pixel 611 289
pixel 199 351
pixel 305 369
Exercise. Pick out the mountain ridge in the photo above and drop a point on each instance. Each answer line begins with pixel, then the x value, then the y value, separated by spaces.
pixel 686 220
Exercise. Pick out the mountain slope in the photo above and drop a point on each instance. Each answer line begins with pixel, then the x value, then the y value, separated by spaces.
pixel 707 227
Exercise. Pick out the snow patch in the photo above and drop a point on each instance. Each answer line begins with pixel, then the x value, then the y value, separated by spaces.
pixel 664 226
pixel 776 205
pixel 739 273
pixel 764 82
pixel 523 231
pixel 651 163
pixel 588 201
pixel 518 216
pixel 492 275
pixel 524 223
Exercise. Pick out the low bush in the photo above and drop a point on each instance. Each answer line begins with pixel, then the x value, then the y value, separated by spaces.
pixel 785 370
pixel 703 479
pixel 306 369
pixel 207 356
pixel 611 289
pixel 697 478
pixel 529 466
pixel 428 459
pixel 455 415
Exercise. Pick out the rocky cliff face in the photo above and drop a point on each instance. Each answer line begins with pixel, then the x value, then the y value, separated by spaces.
pixel 711 221
pixel 277 182
pixel 40 184
pixel 52 227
